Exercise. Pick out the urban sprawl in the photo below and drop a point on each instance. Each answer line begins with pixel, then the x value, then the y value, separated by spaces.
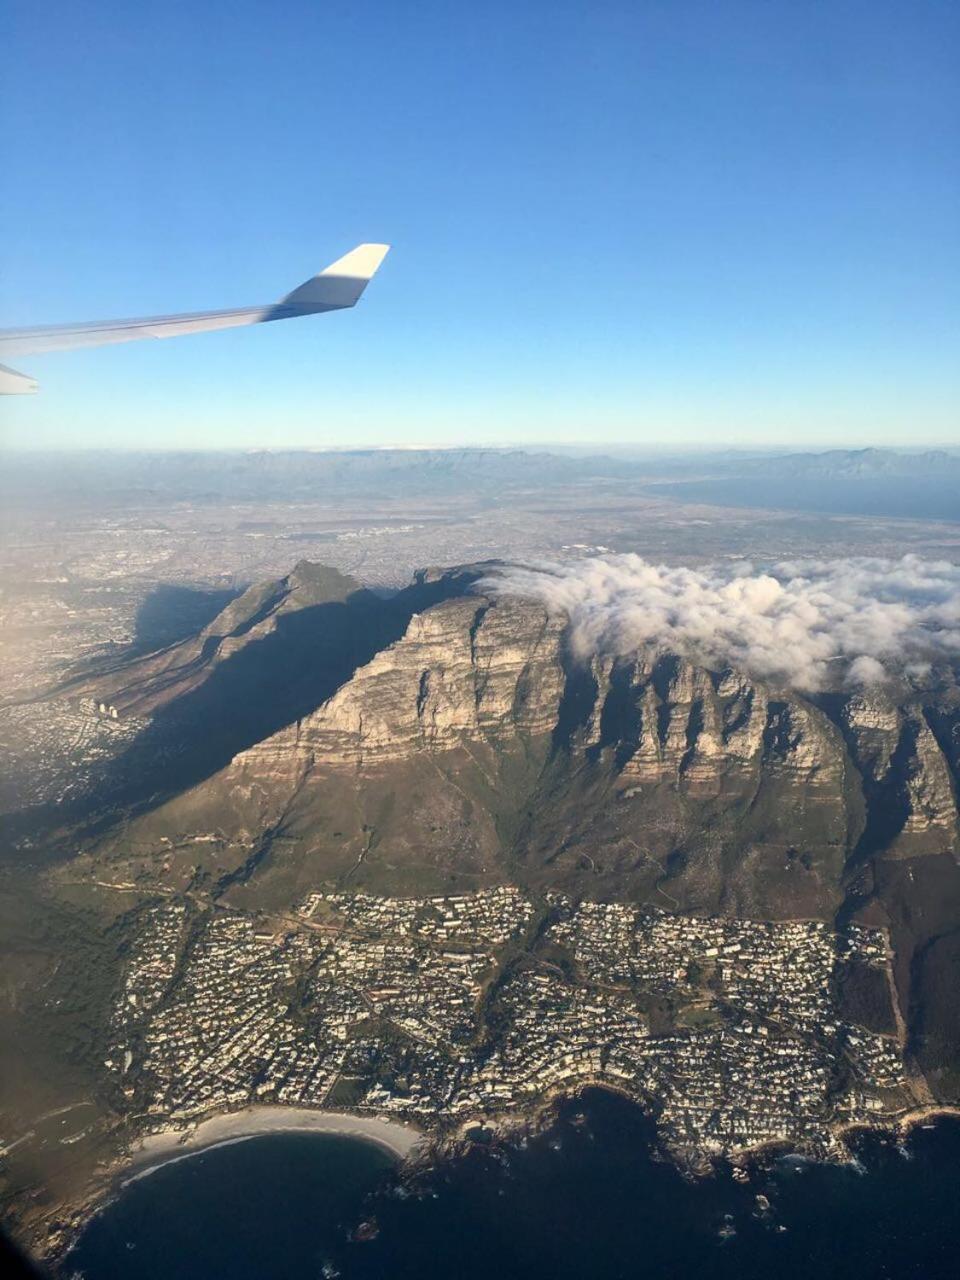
pixel 447 1010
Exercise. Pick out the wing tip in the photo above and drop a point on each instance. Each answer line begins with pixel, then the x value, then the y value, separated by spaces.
pixel 361 263
pixel 13 383
pixel 335 287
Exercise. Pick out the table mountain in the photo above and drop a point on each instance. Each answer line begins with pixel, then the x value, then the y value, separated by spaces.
pixel 474 747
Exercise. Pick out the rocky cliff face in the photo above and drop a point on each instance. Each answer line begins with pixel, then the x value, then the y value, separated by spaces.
pixel 931 803
pixel 465 671
pixel 905 775
pixel 477 730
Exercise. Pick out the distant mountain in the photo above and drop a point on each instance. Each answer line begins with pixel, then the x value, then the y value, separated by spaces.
pixel 293 475
pixel 866 463
pixel 923 485
pixel 920 485
pixel 875 482
pixel 468 747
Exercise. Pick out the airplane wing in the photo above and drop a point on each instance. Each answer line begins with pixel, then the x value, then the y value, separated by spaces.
pixel 336 287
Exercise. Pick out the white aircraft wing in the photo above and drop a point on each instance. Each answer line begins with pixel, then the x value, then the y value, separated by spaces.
pixel 335 288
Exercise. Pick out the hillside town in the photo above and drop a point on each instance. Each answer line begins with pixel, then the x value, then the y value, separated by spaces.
pixel 446 1010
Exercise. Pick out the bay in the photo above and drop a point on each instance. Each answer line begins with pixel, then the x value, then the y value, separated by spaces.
pixel 589 1198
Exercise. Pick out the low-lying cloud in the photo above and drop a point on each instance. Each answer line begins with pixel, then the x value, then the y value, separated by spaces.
pixel 807 623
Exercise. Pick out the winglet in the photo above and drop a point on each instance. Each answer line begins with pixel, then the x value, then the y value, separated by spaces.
pixel 339 285
pixel 15 384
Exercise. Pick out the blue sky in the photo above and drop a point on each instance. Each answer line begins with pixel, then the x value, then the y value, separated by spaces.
pixel 675 222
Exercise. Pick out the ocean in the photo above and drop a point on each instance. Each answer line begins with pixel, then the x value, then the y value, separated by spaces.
pixel 590 1198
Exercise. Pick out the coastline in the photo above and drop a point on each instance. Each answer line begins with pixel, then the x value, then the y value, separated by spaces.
pixel 402 1140
pixel 541 1114
pixel 171 1144
pixel 919 1116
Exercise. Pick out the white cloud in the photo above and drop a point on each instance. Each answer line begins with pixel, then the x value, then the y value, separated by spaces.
pixel 808 623
pixel 865 671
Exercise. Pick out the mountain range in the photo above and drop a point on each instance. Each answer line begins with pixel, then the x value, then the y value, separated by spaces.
pixel 921 484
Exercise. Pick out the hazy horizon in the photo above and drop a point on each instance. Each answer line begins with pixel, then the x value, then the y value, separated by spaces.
pixel 613 448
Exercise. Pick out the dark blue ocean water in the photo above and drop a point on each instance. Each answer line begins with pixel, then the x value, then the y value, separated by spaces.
pixel 588 1199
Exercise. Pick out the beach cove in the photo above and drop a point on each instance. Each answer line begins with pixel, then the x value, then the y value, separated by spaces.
pixel 160 1148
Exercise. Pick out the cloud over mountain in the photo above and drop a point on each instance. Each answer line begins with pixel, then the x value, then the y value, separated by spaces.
pixel 808 623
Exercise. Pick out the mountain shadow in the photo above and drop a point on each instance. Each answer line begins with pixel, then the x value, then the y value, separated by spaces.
pixel 171 613
pixel 223 690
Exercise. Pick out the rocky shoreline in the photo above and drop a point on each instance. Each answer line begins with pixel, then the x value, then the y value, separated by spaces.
pixel 413 1148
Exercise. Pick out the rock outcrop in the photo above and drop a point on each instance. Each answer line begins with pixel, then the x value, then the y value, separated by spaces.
pixel 931 801
pixel 465 671
pixel 905 775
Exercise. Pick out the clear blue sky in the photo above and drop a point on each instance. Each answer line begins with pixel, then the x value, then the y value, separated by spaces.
pixel 656 221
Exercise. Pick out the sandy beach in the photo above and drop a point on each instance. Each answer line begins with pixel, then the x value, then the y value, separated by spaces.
pixel 236 1126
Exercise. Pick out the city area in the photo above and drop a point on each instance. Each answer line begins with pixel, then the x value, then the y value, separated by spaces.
pixel 459 1009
